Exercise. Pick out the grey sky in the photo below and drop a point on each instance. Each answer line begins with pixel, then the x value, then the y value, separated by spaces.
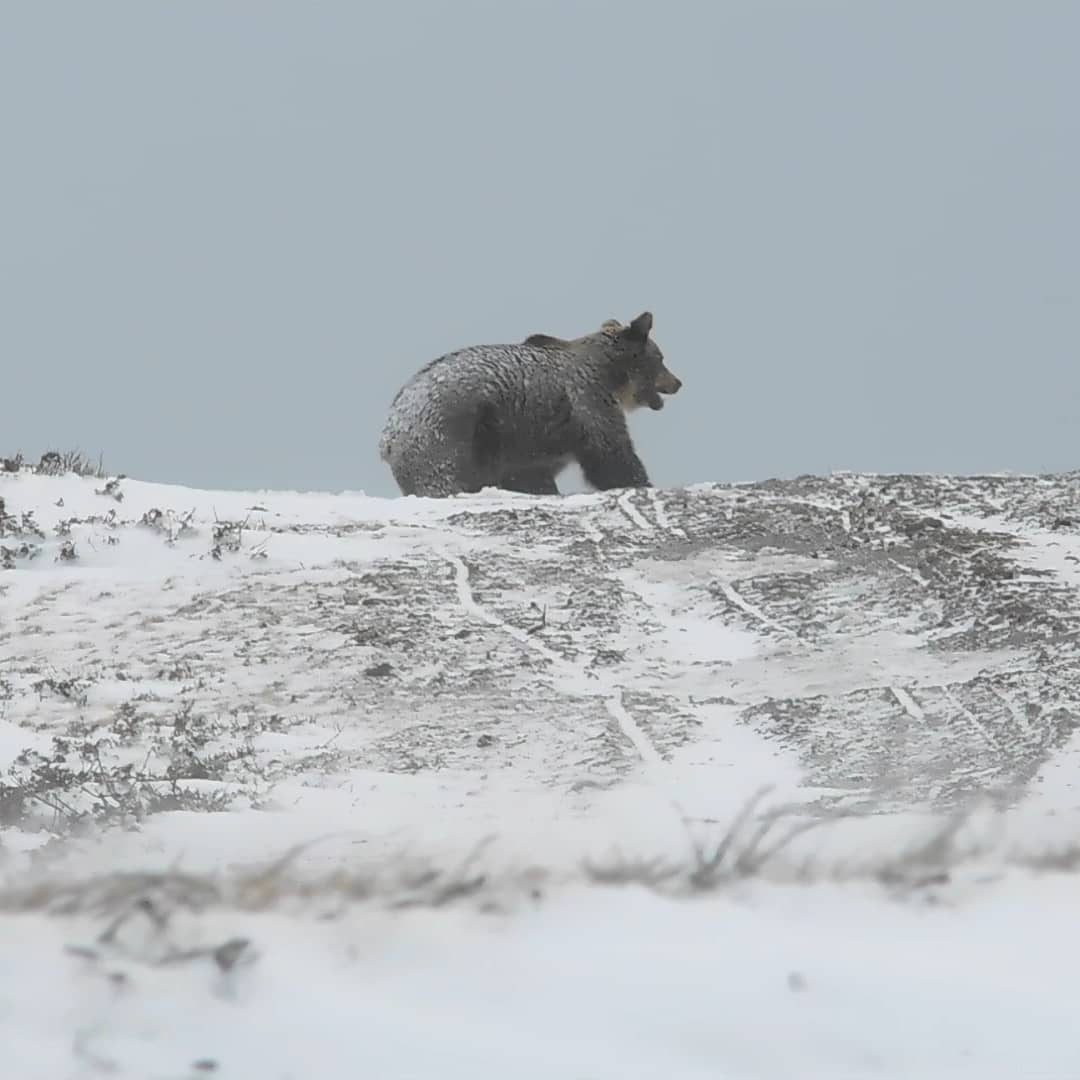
pixel 230 230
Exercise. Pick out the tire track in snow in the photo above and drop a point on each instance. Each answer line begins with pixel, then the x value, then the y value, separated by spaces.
pixel 610 693
pixel 662 520
pixel 733 597
pixel 626 505
pixel 1015 711
pixel 650 756
pixel 915 711
pixel 971 718
pixel 477 610
pixel 908 703
pixel 730 591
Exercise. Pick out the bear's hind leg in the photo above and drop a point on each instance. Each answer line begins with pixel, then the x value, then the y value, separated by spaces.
pixel 434 475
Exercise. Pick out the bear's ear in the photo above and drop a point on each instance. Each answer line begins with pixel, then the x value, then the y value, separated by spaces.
pixel 545 341
pixel 640 327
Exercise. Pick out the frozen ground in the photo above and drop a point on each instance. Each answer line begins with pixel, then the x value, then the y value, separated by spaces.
pixel 474 711
pixel 818 983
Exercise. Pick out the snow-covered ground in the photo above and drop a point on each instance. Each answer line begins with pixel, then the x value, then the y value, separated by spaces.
pixel 819 983
pixel 508 737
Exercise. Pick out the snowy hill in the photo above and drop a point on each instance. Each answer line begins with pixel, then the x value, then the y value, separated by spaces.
pixel 502 702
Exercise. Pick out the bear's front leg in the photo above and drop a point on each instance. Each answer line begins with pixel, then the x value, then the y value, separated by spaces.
pixel 608 459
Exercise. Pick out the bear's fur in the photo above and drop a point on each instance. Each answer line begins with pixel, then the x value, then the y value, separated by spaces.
pixel 513 416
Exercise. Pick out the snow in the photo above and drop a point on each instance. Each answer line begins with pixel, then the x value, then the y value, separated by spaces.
pixel 815 982
pixel 518 688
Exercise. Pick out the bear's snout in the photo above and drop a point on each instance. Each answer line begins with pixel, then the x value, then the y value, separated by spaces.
pixel 667 383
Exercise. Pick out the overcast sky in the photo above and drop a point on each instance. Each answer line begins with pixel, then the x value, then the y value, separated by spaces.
pixel 230 231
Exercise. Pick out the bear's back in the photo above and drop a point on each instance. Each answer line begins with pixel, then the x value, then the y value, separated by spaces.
pixel 527 383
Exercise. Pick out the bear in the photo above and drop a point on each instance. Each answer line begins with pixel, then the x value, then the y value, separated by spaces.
pixel 513 416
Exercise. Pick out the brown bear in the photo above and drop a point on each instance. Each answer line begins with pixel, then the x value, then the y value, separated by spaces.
pixel 513 416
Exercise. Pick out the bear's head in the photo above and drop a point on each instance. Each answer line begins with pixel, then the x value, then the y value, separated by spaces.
pixel 636 364
pixel 641 375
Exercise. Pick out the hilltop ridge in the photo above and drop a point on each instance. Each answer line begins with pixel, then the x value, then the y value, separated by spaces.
pixel 559 673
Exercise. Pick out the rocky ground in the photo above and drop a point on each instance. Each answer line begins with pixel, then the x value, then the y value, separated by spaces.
pixel 882 643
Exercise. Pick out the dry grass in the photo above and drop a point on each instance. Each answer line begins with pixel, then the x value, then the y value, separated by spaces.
pixel 56 463
pixel 753 847
pixel 400 883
